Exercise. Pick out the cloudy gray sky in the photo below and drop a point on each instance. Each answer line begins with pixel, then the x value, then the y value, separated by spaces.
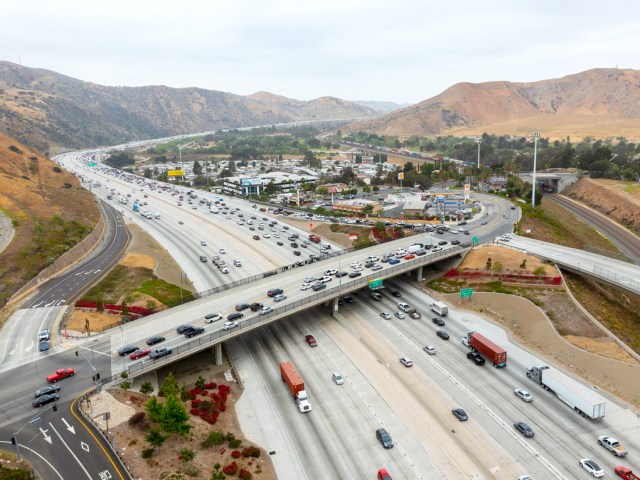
pixel 401 51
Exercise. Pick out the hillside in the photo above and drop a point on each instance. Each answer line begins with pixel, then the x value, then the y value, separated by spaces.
pixel 45 109
pixel 49 210
pixel 599 102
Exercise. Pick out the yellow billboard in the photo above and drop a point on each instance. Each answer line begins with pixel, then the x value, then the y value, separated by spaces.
pixel 175 173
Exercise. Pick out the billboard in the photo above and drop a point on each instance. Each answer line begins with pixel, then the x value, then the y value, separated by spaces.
pixel 248 182
pixel 440 198
pixel 175 173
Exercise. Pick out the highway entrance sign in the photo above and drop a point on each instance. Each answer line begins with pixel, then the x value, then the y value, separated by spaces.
pixel 466 292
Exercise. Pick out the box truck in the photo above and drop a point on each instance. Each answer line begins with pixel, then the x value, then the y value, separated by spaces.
pixel 294 381
pixel 440 308
pixel 479 343
pixel 582 399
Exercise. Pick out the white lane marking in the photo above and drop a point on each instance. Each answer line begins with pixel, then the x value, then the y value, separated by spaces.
pixel 25 447
pixel 71 452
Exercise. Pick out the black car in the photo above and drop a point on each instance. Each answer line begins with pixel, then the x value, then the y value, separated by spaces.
pixel 160 352
pixel 348 299
pixel 280 244
pixel 234 316
pixel 256 306
pixel 182 328
pixel 341 274
pixel 318 286
pixel 442 242
pixel 274 291
pixel 126 350
pixel 193 331
pixel 524 429
pixel 438 321
pixel 455 242
pixel 396 293
pixel 442 334
pixel 48 390
pixel 44 399
pixel 384 438
pixel 296 253
pixel 460 414
pixel 154 340
pixel 354 274
pixel 294 245
pixel 476 357
pixel 242 306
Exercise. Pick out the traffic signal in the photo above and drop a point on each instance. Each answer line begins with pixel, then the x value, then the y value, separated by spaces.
pixel 13 440
pixel 76 353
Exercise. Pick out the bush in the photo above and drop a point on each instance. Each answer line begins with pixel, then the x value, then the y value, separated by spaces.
pixel 187 455
pixel 244 474
pixel 148 452
pixel 125 385
pixel 236 454
pixel 200 383
pixel 251 452
pixel 136 418
pixel 155 437
pixel 146 388
pixel 230 469
pixel 214 438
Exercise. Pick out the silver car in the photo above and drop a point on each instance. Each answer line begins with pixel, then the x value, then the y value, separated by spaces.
pixel 523 394
pixel 337 378
pixel 399 314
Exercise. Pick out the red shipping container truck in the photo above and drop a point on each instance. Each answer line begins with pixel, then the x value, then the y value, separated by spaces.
pixel 479 343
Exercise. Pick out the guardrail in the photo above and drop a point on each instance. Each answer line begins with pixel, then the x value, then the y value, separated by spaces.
pixel 335 288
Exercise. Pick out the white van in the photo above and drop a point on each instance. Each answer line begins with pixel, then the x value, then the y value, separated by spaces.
pixel 401 252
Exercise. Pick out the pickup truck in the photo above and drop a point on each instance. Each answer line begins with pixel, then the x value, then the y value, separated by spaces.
pixel 626 473
pixel 612 445
pixel 60 374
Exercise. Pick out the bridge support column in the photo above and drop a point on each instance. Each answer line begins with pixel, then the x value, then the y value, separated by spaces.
pixel 217 354
pixel 419 274
pixel 334 306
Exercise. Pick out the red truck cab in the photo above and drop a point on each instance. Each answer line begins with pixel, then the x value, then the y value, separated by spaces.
pixel 314 238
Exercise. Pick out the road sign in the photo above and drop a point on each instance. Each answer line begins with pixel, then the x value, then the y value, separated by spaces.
pixel 474 239
pixel 91 164
pixel 466 292
pixel 375 283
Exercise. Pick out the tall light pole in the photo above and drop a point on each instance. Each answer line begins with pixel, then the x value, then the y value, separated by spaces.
pixel 478 141
pixel 535 135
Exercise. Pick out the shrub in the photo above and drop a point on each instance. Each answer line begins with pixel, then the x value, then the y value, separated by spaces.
pixel 125 385
pixel 148 452
pixel 136 418
pixel 230 469
pixel 155 437
pixel 244 474
pixel 187 455
pixel 236 454
pixel 146 388
pixel 214 438
pixel 251 452
pixel 200 383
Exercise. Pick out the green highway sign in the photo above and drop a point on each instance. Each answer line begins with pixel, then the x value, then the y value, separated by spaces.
pixel 474 239
pixel 466 292
pixel 91 164
pixel 375 283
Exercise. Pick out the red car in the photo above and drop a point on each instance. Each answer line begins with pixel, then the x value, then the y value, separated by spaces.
pixel 139 354
pixel 311 340
pixel 60 374
pixel 411 256
pixel 256 237
pixel 383 474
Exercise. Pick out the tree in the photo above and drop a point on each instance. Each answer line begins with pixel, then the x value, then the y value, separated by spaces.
pixel 146 388
pixel 271 188
pixel 174 416
pixel 170 386
pixel 153 409
pixel 489 264
pixel 155 437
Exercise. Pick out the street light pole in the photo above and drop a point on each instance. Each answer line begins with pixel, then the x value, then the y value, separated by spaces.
pixel 535 135
pixel 478 141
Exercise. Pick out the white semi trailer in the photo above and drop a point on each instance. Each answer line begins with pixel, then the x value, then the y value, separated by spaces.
pixel 579 397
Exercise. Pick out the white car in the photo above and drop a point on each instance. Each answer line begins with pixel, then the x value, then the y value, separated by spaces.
pixel 401 252
pixel 436 249
pixel 222 250
pixel 240 222
pixel 331 271
pixel 229 325
pixel 356 264
pixel 454 230
pixel 265 310
pixel 523 394
pixel 276 235
pixel 337 378
pixel 358 268
pixel 237 263
pixel 405 307
pixel 203 243
pixel 592 467
pixel 324 279
pixel 309 279
pixel 430 350
pixel 376 267
pixel 266 235
pixel 212 317
pixel 406 361
pixel 306 286
pixel 399 314
pixel 372 258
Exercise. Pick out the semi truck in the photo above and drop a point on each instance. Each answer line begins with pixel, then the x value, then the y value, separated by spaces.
pixel 295 383
pixel 479 343
pixel 582 399
pixel 440 308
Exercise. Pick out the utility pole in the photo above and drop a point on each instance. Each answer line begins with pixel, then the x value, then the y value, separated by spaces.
pixel 535 135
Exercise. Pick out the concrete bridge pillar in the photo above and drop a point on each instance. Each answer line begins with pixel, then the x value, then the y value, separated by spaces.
pixel 217 354
pixel 334 306
pixel 419 273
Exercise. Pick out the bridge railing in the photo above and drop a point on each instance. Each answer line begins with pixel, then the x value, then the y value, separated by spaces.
pixel 335 288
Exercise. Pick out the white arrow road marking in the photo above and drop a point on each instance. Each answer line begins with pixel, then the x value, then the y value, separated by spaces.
pixel 69 427
pixel 44 434
pixel 84 446
pixel 50 304
pixel 71 452
pixel 36 305
pixel 79 273
pixel 61 302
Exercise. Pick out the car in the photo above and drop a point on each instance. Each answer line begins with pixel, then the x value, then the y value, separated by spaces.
pixel 354 274
pixel 160 352
pixel 154 340
pixel 406 361
pixel 265 310
pixel 297 253
pixel 395 293
pixel 415 315
pixel 376 296
pixel 139 354
pixel 234 316
pixel 399 314
pixel 455 242
pixel 330 272
pixel 126 350
pixel 48 390
pixel 229 325
pixel 476 357
pixel 337 378
pixel 384 438
pixel 442 334
pixel 513 207
pixel 293 245
pixel 405 307
pixel 376 267
pixel 524 429
pixel 442 242
pixel 355 264
pixel 311 340
pixel 280 244
pixel 242 306
pixel 460 414
pixel 222 250
pixel 257 237
pixel 349 299
pixel 341 274
pixel 393 261
pixel 523 394
pixel 318 286
pixel 44 346
pixel 410 256
pixel 430 350
pixel 193 331
pixel 44 399
pixel 180 222
pixel 325 279
pixel 60 374
pixel 401 252
pixel 358 268
pixel 280 297
pixel 309 279
pixel 438 321
pixel 436 249
pixel 383 474
pixel 484 222
pixel 592 467
pixel 44 335
pixel 525 477
pixel 204 259
pixel 274 291
pixel 266 235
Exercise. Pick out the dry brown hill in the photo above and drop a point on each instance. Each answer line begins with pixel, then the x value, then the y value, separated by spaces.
pixel 599 102
pixel 49 210
pixel 45 109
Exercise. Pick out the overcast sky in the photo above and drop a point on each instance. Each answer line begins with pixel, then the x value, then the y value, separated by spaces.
pixel 391 50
